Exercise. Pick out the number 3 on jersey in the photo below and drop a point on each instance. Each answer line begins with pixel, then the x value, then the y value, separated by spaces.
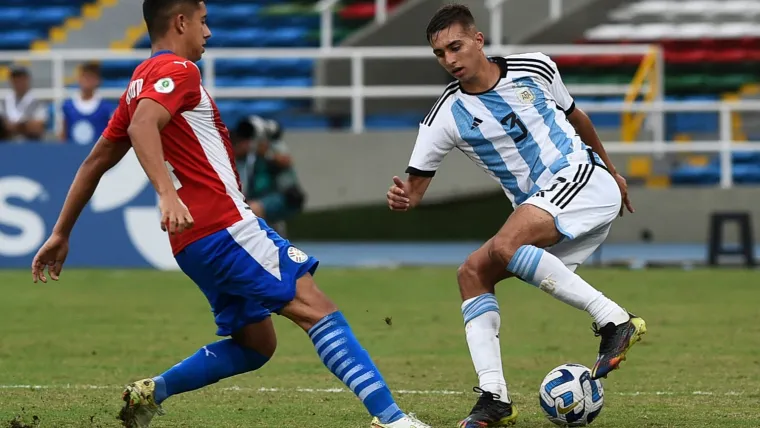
pixel 511 120
pixel 175 180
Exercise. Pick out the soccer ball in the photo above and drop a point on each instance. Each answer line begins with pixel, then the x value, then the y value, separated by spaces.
pixel 569 397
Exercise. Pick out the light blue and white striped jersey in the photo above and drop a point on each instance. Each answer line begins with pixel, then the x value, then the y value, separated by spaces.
pixel 517 131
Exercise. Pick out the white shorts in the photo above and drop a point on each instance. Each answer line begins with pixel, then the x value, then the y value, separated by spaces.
pixel 584 199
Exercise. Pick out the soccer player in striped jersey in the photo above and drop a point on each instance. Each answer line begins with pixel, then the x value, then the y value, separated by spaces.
pixel 513 117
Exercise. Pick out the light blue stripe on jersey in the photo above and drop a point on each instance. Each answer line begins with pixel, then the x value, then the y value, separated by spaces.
pixel 486 151
pixel 528 148
pixel 559 137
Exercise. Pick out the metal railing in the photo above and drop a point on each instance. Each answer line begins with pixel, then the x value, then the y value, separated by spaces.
pixel 357 92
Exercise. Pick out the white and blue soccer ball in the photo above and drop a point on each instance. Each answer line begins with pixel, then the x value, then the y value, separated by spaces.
pixel 569 397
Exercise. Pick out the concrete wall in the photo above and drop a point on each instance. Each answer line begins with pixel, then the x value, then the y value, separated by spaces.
pixel 343 169
pixel 682 215
pixel 338 169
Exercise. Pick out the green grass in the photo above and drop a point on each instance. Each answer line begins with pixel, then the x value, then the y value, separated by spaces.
pixel 106 328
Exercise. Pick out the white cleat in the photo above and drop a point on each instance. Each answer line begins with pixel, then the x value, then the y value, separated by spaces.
pixel 408 421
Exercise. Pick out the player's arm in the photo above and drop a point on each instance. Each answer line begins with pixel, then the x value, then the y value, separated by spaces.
pixel 148 120
pixel 585 129
pixel 404 195
pixel 171 89
pixel 433 143
pixel 104 155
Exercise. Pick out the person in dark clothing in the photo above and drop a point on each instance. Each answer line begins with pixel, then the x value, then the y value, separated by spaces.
pixel 266 170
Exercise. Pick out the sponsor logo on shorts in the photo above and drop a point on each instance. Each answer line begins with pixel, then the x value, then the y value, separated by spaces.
pixel 297 255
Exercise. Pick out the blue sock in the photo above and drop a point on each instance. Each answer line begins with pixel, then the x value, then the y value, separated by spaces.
pixel 525 263
pixel 348 361
pixel 209 365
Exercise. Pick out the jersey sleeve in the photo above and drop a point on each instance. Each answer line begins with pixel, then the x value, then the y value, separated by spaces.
pixel 433 143
pixel 175 85
pixel 558 89
pixel 119 122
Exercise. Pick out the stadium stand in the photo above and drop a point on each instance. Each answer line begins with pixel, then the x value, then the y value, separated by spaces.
pixel 712 52
pixel 267 24
pixel 22 22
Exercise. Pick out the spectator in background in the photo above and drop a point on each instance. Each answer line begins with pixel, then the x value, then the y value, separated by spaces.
pixel 266 171
pixel 86 115
pixel 24 117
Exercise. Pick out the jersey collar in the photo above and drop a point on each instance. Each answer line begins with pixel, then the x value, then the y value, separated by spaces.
pixel 502 63
pixel 163 52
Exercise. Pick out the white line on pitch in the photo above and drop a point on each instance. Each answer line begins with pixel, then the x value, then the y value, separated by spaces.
pixel 342 390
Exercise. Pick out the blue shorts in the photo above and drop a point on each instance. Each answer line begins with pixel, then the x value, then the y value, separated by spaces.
pixel 246 271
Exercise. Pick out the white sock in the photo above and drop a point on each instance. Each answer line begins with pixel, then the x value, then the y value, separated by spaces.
pixel 481 325
pixel 544 270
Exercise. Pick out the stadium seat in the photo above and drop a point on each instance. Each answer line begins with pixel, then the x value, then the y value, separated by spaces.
pixel 696 175
pixel 24 21
pixel 266 24
pixel 19 39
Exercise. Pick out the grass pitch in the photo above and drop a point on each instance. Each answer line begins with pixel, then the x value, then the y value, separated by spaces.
pixel 67 348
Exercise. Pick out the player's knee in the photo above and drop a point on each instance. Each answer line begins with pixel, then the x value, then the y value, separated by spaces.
pixel 467 272
pixel 265 348
pixel 310 304
pixel 259 337
pixel 502 249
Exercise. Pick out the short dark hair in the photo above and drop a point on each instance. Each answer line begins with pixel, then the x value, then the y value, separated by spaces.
pixel 158 13
pixel 447 16
pixel 91 67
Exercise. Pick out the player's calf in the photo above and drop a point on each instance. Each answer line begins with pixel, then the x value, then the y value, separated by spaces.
pixel 213 362
pixel 342 353
pixel 249 349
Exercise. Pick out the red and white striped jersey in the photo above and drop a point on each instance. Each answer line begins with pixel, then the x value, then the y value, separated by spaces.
pixel 196 143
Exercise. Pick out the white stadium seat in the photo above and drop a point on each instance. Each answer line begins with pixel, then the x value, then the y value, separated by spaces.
pixel 652 31
pixel 610 32
pixel 684 31
pixel 696 10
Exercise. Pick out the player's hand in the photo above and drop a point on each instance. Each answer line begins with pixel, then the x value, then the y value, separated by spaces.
pixel 397 198
pixel 175 217
pixel 623 185
pixel 52 254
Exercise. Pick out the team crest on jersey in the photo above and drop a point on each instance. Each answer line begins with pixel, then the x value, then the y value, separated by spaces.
pixel 526 95
pixel 164 86
pixel 297 255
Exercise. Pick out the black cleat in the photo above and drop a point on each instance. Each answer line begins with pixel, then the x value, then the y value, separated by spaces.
pixel 616 341
pixel 489 411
